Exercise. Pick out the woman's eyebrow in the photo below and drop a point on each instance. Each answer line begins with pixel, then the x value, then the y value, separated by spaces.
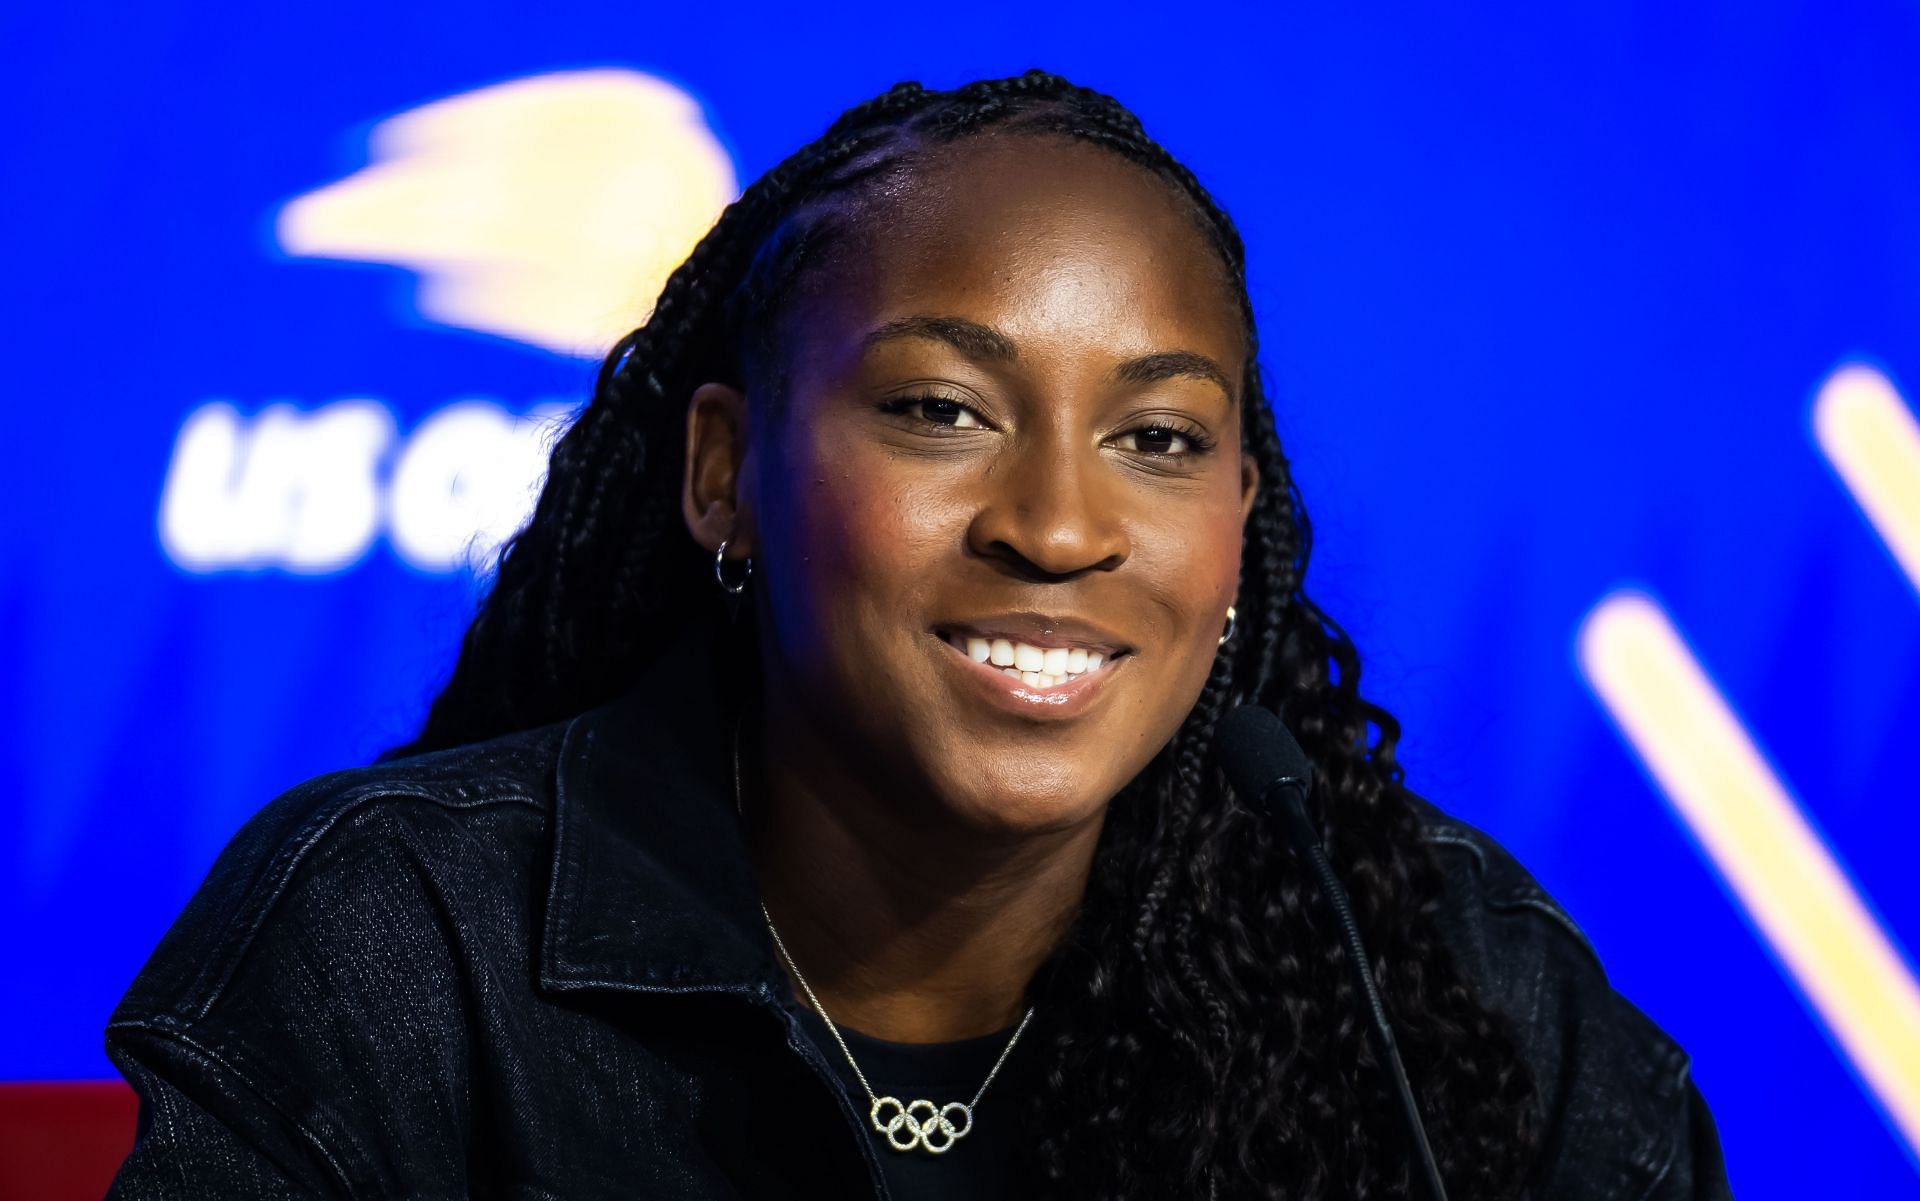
pixel 984 342
pixel 970 338
pixel 1169 364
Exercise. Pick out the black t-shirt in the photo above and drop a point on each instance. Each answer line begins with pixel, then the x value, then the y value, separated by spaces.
pixel 979 1166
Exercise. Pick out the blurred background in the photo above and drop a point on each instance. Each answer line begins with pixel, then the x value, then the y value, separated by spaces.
pixel 1593 333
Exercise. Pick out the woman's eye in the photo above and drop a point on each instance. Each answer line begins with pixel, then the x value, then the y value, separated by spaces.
pixel 950 412
pixel 938 411
pixel 1160 440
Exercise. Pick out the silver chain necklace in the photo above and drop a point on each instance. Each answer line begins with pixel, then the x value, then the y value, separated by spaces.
pixel 915 1125
pixel 918 1124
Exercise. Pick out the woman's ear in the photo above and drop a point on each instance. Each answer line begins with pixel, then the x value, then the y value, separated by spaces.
pixel 1249 484
pixel 711 497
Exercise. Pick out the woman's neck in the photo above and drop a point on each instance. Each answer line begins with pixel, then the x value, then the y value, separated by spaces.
pixel 908 928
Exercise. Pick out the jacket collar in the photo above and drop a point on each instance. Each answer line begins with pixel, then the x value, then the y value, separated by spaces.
pixel 651 887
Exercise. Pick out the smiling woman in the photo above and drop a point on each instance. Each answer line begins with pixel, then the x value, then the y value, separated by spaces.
pixel 823 803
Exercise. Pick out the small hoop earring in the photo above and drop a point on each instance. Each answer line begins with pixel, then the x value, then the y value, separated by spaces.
pixel 731 587
pixel 1232 620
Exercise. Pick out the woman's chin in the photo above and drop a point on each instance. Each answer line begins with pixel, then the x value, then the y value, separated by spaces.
pixel 1024 808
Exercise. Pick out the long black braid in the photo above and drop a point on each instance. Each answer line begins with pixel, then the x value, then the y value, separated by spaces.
pixel 1210 1034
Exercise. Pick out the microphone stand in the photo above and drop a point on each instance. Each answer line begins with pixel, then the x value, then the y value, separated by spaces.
pixel 1300 831
pixel 1271 773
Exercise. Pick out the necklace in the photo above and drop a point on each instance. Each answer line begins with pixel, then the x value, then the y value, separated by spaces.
pixel 918 1123
pixel 914 1125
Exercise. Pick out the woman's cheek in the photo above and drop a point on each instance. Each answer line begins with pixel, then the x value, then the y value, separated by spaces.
pixel 820 498
pixel 883 519
pixel 1194 568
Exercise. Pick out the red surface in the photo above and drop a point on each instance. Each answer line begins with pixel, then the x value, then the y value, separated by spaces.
pixel 63 1140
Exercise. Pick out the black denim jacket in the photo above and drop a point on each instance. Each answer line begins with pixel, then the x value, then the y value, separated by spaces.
pixel 535 968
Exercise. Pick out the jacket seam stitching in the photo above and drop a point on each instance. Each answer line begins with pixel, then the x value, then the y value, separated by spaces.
pixel 210 1056
pixel 280 871
pixel 1672 1144
pixel 1449 837
pixel 559 909
pixel 1523 896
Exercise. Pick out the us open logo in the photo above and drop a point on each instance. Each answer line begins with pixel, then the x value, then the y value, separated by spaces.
pixel 548 210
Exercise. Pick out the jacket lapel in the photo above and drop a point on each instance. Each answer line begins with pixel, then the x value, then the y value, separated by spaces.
pixel 651 887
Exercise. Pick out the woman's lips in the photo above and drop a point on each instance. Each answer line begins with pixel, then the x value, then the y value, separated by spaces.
pixel 1069 698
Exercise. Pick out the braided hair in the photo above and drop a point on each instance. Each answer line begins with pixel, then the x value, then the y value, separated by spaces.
pixel 1200 967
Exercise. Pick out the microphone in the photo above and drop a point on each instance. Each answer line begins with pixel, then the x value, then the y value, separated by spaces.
pixel 1272 776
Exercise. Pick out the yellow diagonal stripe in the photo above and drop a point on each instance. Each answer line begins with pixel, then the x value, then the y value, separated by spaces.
pixel 1721 786
pixel 1870 437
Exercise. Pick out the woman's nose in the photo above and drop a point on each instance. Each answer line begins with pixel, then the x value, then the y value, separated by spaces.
pixel 1050 510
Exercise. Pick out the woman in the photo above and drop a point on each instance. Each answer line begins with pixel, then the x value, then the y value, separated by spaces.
pixel 822 802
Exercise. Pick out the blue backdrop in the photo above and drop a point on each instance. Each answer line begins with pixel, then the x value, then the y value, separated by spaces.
pixel 1547 298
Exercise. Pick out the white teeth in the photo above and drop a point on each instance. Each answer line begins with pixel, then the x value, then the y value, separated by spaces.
pixel 1035 666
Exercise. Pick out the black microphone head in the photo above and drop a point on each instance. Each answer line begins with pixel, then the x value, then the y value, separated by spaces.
pixel 1256 752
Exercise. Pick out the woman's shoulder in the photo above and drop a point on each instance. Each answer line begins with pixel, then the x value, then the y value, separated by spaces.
pixel 341 854
pixel 1485 882
pixel 312 1010
pixel 1616 1098
pixel 1521 948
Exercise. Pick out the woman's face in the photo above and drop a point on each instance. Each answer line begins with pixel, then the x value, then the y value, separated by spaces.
pixel 1009 425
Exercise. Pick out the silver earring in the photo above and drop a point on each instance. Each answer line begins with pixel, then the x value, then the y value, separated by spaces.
pixel 732 587
pixel 1232 620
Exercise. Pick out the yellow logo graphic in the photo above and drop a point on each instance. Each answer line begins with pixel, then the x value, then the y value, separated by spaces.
pixel 548 209
pixel 1720 783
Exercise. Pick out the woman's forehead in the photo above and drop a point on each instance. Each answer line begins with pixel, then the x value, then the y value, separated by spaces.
pixel 1043 238
pixel 987 202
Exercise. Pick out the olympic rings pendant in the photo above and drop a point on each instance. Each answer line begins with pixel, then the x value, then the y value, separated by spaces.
pixel 920 1125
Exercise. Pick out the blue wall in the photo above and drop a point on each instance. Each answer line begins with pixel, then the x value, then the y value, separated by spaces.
pixel 1545 296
